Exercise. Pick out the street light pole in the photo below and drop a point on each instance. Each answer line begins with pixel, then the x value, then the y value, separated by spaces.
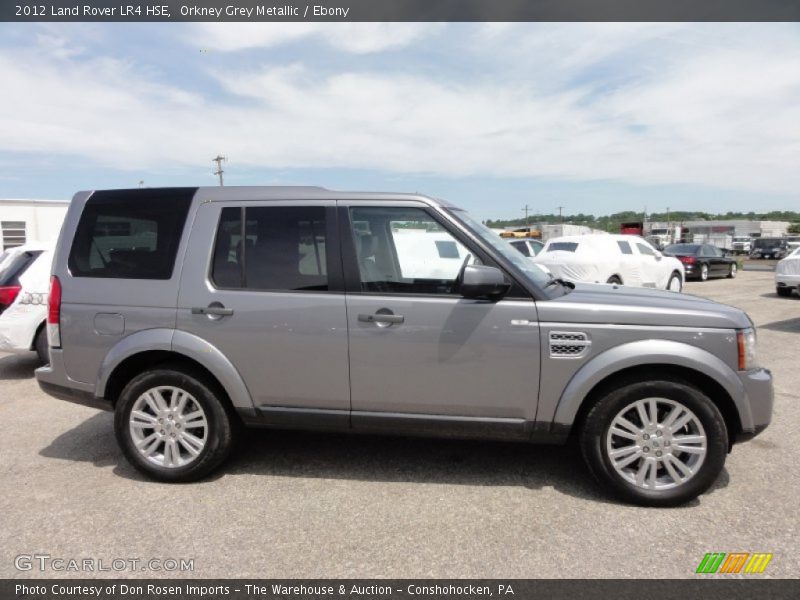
pixel 218 159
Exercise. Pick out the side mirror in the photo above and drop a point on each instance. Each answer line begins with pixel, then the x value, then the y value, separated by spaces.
pixel 659 255
pixel 481 281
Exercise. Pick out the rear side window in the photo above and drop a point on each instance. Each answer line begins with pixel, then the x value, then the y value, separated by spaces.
pixel 130 234
pixel 279 248
pixel 447 249
pixel 563 246
pixel 522 247
pixel 624 247
pixel 645 249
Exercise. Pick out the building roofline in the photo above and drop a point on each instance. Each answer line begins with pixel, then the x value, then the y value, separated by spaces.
pixel 32 201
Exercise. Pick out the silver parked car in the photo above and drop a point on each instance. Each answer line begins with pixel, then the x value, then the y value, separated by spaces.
pixel 190 311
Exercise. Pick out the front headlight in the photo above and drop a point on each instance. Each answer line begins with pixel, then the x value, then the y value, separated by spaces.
pixel 746 339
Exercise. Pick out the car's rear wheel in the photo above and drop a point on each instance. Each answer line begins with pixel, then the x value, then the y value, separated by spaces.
pixel 732 271
pixel 172 425
pixel 703 272
pixel 655 443
pixel 783 291
pixel 675 283
pixel 41 346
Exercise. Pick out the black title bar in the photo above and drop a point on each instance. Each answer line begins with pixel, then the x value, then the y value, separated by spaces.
pixel 400 10
pixel 705 588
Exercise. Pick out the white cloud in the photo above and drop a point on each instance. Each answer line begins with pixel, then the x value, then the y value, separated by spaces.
pixel 356 38
pixel 709 113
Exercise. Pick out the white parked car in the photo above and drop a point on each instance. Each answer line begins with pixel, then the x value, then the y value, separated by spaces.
pixel 606 258
pixel 24 284
pixel 787 274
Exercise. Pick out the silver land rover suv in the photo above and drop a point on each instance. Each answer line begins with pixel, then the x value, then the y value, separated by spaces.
pixel 192 311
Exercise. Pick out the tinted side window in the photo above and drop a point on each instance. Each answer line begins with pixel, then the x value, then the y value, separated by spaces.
pixel 625 247
pixel 522 247
pixel 130 234
pixel 645 249
pixel 227 268
pixel 281 248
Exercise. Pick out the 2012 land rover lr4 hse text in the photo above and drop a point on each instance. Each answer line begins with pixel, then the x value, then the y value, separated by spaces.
pixel 192 311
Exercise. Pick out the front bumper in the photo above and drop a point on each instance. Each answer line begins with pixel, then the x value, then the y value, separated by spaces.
pixel 787 281
pixel 54 381
pixel 760 396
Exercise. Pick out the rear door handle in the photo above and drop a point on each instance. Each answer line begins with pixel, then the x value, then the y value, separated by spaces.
pixel 379 318
pixel 217 311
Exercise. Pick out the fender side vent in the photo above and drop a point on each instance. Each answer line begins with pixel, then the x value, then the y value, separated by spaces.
pixel 568 344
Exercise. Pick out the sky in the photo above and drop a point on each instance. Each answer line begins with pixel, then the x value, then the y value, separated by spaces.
pixel 595 118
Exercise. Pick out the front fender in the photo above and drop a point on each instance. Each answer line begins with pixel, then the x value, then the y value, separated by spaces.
pixel 644 353
pixel 182 343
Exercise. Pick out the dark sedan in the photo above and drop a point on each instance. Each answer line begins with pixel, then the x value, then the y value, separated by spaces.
pixel 701 261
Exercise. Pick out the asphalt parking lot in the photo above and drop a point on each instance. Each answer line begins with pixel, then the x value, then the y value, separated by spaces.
pixel 319 505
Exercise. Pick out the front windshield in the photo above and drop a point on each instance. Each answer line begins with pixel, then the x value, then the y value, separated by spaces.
pixel 524 264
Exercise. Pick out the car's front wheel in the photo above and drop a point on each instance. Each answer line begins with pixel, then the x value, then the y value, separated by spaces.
pixel 732 271
pixel 655 443
pixel 172 425
pixel 783 291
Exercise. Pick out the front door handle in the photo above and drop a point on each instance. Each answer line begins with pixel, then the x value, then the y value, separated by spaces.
pixel 216 311
pixel 381 318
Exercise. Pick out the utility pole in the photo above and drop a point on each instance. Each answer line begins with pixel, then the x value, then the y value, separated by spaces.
pixel 527 211
pixel 560 218
pixel 218 159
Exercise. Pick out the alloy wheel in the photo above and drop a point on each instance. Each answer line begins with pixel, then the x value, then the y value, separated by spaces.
pixel 168 426
pixel 656 444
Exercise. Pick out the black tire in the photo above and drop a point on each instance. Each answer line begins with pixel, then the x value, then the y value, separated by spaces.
pixel 614 279
pixel 675 275
pixel 598 421
pixel 221 424
pixel 703 273
pixel 783 291
pixel 41 346
pixel 733 270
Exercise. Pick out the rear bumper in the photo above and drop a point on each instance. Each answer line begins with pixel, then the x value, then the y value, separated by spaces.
pixel 54 381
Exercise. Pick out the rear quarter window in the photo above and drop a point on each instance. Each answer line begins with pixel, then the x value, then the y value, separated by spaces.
pixel 130 234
